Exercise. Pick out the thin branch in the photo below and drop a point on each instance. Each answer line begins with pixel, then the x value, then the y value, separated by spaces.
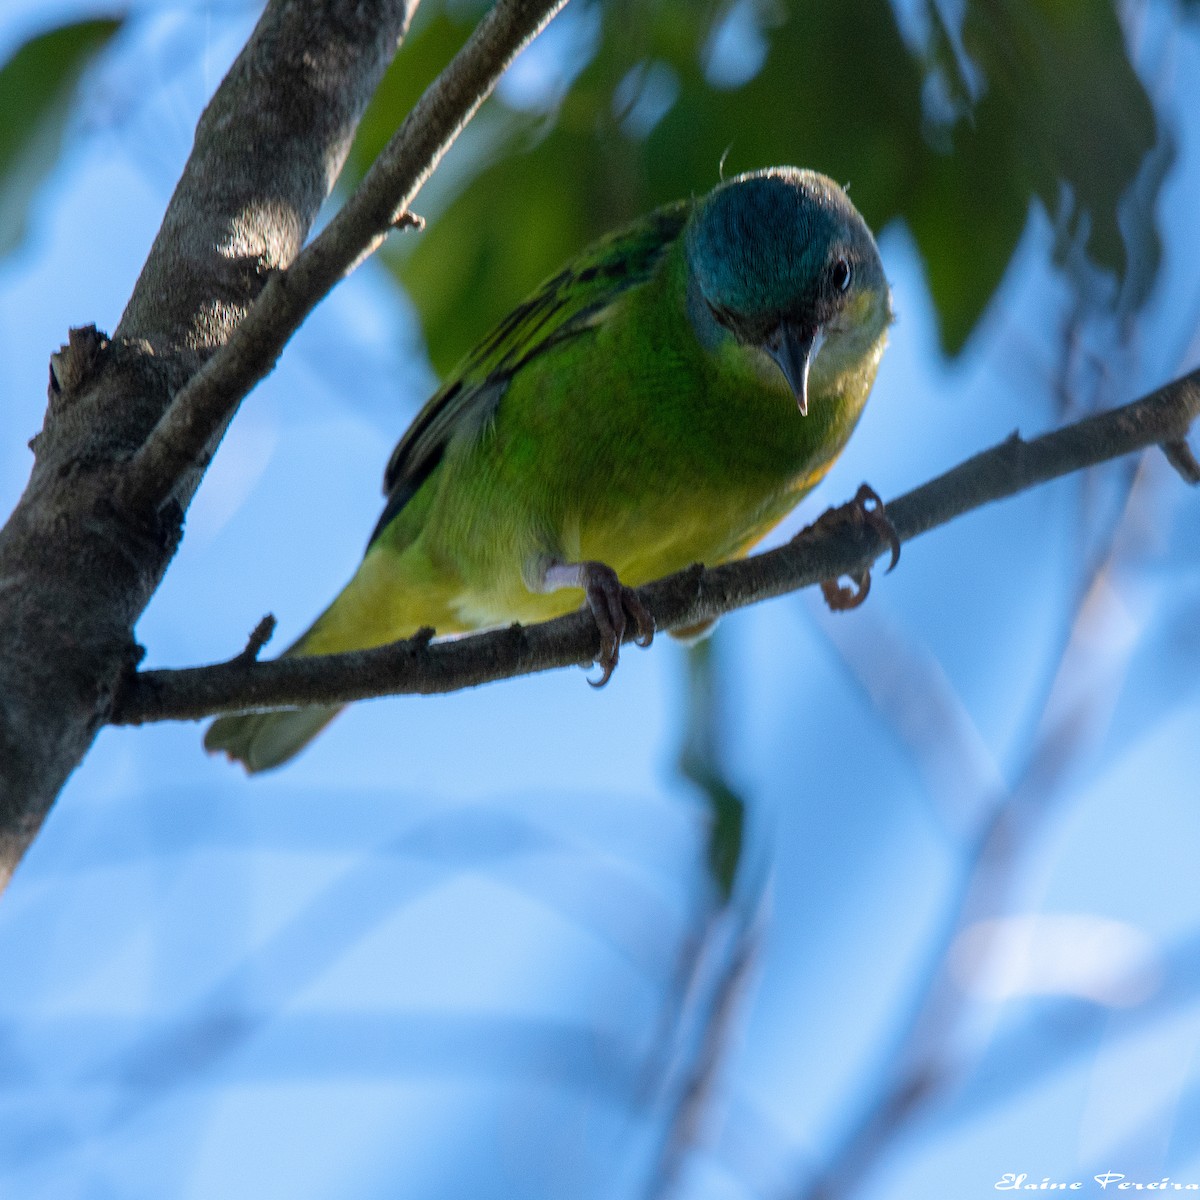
pixel 260 635
pixel 186 435
pixel 1179 455
pixel 687 598
pixel 77 568
pixel 926 1063
pixel 735 936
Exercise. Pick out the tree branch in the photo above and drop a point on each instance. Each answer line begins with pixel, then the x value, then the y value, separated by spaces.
pixel 191 426
pixel 687 598
pixel 132 421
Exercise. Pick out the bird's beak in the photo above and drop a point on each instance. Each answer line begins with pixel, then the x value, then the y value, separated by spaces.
pixel 793 348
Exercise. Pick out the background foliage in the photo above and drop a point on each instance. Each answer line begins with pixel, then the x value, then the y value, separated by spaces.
pixel 947 926
pixel 953 130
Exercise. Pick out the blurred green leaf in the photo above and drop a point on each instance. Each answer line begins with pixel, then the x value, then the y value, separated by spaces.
pixel 954 130
pixel 1064 117
pixel 432 41
pixel 700 762
pixel 37 92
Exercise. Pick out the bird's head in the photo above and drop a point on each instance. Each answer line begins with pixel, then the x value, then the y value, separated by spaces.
pixel 784 262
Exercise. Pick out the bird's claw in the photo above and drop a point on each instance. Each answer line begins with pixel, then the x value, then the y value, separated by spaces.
pixel 865 511
pixel 614 607
pixel 873 512
pixel 841 598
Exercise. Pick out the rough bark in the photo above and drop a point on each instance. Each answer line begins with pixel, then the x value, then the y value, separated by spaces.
pixel 133 422
pixel 77 567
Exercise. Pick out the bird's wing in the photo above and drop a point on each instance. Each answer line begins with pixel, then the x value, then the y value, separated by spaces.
pixel 564 307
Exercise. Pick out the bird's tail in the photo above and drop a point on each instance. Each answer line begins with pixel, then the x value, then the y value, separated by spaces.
pixel 262 740
pixel 365 614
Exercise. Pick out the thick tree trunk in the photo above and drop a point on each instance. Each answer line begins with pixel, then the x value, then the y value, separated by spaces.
pixel 77 565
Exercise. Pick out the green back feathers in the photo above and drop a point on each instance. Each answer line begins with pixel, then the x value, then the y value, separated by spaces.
pixel 566 306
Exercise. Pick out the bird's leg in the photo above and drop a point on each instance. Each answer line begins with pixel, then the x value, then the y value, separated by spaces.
pixel 613 605
pixel 689 635
pixel 865 511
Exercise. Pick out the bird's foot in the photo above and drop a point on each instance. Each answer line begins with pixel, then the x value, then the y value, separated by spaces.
pixel 841 598
pixel 689 635
pixel 615 607
pixel 865 511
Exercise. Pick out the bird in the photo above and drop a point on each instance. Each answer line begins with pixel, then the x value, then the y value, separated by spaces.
pixel 663 400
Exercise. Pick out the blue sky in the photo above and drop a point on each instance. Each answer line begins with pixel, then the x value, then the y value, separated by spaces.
pixel 440 954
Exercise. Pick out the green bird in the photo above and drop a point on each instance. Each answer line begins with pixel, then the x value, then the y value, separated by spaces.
pixel 665 399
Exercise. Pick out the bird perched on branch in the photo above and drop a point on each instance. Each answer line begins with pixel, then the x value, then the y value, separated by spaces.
pixel 665 399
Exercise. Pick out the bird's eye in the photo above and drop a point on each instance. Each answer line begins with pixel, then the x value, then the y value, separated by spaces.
pixel 840 275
